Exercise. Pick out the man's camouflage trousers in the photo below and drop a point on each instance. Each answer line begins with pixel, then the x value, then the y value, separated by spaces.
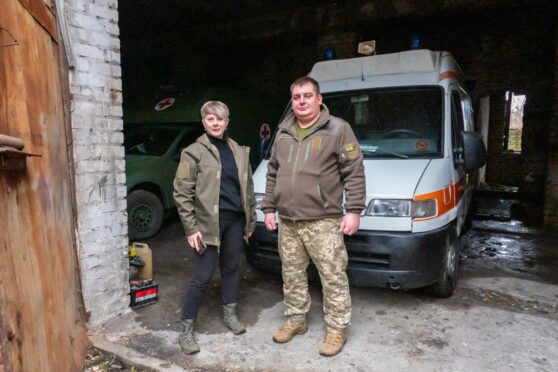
pixel 322 242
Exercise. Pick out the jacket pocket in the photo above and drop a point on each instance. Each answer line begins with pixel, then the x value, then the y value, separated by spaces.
pixel 323 199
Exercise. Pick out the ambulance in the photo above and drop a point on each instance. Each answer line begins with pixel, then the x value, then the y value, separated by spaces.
pixel 413 120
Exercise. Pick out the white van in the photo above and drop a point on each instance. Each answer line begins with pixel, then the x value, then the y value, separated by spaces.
pixel 414 124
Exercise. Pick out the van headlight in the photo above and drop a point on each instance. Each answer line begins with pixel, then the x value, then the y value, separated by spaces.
pixel 423 208
pixel 401 208
pixel 389 208
pixel 259 200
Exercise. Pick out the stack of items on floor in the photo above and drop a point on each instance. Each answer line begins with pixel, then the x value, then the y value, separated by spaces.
pixel 143 290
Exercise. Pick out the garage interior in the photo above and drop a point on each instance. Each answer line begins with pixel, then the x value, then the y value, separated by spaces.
pixel 505 48
pixel 65 66
pixel 508 51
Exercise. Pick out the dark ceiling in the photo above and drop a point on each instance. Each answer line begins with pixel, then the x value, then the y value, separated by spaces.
pixel 252 44
pixel 139 17
pixel 155 15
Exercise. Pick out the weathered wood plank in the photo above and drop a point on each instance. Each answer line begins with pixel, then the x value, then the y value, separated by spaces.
pixel 42 325
pixel 40 10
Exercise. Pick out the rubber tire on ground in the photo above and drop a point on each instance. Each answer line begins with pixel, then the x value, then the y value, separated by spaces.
pixel 445 286
pixel 145 214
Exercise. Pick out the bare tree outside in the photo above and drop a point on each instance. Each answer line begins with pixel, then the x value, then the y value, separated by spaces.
pixel 516 105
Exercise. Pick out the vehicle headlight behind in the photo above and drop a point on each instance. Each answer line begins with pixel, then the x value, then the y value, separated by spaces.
pixel 401 208
pixel 259 200
pixel 423 208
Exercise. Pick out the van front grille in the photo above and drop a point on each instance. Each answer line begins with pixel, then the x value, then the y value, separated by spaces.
pixel 367 259
pixel 357 258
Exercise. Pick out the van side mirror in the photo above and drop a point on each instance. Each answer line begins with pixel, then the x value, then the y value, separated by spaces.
pixel 474 152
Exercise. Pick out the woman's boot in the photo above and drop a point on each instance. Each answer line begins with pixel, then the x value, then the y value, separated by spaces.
pixel 186 338
pixel 231 320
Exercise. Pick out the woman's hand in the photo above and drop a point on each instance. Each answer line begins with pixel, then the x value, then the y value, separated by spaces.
pixel 247 237
pixel 194 240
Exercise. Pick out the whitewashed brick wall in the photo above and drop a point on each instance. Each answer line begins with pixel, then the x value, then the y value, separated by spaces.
pixel 96 114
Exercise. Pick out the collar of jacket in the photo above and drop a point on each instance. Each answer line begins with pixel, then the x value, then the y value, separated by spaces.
pixel 204 140
pixel 288 125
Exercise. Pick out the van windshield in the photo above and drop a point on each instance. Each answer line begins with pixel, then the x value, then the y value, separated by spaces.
pixel 393 123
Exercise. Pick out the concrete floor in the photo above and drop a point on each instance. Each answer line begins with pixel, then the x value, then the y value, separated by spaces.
pixel 503 316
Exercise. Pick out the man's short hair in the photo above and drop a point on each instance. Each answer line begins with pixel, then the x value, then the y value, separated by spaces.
pixel 306 80
pixel 216 108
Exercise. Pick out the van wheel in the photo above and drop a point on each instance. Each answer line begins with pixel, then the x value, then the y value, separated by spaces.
pixel 145 214
pixel 445 286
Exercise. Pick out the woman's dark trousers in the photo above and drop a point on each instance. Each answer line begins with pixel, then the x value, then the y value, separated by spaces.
pixel 231 227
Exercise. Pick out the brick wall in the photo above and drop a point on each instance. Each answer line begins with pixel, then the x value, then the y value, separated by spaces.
pixel 96 115
pixel 516 53
pixel 551 192
pixel 336 31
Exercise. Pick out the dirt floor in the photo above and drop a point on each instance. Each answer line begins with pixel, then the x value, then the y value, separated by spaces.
pixel 102 361
pixel 503 315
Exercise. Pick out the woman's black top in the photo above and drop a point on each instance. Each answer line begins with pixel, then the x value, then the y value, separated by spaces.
pixel 229 195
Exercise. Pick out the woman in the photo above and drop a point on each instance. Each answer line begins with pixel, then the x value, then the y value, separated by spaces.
pixel 213 191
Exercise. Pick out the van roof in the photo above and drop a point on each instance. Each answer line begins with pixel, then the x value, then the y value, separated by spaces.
pixel 412 61
pixel 246 107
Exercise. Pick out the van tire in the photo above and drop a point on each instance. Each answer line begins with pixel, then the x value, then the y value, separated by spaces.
pixel 145 214
pixel 445 286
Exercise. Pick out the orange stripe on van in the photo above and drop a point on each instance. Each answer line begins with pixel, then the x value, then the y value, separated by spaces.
pixel 449 75
pixel 446 198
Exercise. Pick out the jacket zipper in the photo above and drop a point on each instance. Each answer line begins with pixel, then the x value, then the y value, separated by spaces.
pixel 215 152
pixel 299 145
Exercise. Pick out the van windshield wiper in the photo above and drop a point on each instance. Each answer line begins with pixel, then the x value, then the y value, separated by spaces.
pixel 374 150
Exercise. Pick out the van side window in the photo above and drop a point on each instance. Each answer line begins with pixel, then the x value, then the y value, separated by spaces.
pixel 457 121
pixel 187 139
pixel 457 124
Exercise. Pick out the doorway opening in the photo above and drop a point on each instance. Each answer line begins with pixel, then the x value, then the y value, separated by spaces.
pixel 513 114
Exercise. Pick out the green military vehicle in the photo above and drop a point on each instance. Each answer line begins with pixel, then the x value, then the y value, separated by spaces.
pixel 155 132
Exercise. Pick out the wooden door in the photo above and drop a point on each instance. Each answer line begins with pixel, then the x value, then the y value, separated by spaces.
pixel 42 318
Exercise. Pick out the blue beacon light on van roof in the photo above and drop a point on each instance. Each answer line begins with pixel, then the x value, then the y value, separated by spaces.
pixel 416 42
pixel 329 53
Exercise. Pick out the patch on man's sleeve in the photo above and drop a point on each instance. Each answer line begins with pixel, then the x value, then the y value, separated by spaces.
pixel 183 170
pixel 351 151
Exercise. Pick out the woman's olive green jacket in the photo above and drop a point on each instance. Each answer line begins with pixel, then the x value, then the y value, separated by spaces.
pixel 197 184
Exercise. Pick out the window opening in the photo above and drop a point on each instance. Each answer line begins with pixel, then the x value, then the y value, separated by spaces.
pixel 515 104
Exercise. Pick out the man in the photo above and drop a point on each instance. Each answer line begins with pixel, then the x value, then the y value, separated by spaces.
pixel 315 158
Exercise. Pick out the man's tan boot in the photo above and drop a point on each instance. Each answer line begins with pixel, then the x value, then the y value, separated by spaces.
pixel 288 330
pixel 333 343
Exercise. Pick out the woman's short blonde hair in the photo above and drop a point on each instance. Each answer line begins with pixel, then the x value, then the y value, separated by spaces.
pixel 216 108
